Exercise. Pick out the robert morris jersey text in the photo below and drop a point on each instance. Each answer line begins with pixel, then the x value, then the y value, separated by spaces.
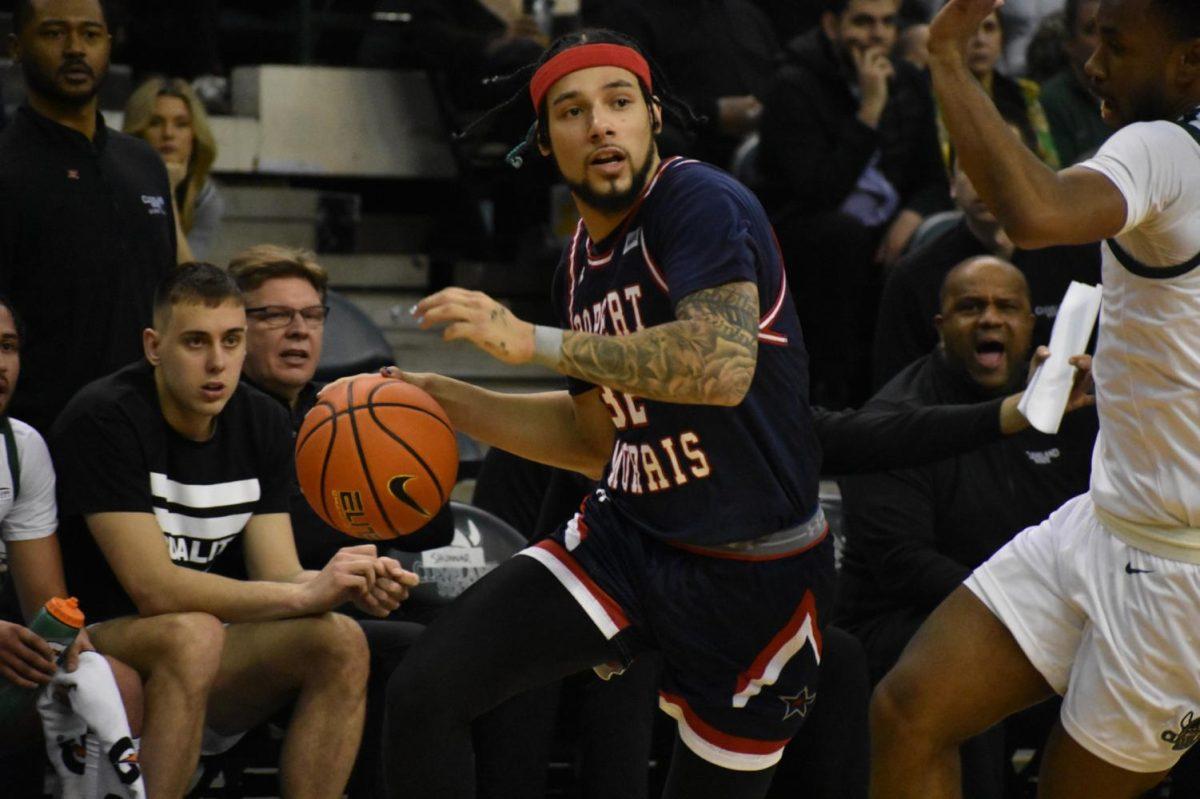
pixel 697 474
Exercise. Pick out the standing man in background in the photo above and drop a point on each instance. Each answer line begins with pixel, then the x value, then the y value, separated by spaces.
pixel 86 225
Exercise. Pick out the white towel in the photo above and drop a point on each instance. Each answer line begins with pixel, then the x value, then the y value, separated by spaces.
pixel 87 734
pixel 1045 399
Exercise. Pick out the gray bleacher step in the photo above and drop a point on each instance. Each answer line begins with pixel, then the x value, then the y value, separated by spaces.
pixel 387 309
pixel 501 278
pixel 269 202
pixel 265 215
pixel 387 272
pixel 394 232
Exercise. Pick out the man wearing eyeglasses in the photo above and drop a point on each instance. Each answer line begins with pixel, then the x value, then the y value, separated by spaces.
pixel 285 321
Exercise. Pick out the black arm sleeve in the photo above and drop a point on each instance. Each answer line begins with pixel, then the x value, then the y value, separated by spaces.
pixel 875 439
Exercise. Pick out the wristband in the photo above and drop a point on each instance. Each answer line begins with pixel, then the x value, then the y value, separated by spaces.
pixel 547 345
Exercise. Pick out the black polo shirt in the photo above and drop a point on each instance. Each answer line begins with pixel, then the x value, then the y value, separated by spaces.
pixel 86 232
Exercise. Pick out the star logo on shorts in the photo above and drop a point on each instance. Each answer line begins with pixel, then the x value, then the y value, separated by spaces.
pixel 798 704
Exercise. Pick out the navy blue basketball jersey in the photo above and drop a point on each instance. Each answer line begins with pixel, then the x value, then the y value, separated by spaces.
pixel 697 474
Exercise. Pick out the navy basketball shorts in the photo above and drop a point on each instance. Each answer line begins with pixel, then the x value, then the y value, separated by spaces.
pixel 740 637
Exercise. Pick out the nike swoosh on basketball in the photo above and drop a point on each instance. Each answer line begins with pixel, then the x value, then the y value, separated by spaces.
pixel 1129 569
pixel 397 485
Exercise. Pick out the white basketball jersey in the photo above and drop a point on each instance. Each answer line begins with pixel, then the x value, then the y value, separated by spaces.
pixel 1146 466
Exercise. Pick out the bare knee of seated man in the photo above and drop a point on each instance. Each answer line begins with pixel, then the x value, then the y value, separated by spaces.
pixel 165 465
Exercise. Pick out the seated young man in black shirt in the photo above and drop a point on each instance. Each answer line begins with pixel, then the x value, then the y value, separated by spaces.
pixel 162 466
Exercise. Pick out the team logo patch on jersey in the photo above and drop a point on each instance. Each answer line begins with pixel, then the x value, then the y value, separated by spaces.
pixel 1189 732
pixel 1043 458
pixel 631 241
pixel 155 205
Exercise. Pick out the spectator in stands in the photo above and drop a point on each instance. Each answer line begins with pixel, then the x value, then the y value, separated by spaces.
pixel 1073 111
pixel 905 330
pixel 1016 99
pixel 1021 20
pixel 167 114
pixel 163 467
pixel 719 56
pixel 29 543
pixel 285 289
pixel 463 41
pixel 914 534
pixel 913 45
pixel 86 227
pixel 1045 56
pixel 849 155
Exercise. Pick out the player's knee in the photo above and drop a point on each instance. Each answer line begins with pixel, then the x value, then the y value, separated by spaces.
pixel 904 709
pixel 189 649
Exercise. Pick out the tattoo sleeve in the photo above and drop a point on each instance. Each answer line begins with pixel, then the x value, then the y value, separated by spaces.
pixel 705 357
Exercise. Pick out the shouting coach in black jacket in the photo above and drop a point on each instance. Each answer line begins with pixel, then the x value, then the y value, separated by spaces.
pixel 914 534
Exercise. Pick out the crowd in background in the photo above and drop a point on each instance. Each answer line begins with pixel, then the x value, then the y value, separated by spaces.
pixel 909 292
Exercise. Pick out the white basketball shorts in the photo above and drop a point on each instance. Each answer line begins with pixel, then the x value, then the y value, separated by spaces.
pixel 1113 629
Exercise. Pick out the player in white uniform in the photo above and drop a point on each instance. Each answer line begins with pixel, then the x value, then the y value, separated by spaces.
pixel 1100 602
pixel 28 521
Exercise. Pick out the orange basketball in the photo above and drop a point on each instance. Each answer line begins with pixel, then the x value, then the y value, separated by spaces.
pixel 376 457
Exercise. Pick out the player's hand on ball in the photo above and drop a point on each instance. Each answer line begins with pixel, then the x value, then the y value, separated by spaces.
pixel 952 28
pixel 475 317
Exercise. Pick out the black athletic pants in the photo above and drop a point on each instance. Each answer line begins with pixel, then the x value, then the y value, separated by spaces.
pixel 515 629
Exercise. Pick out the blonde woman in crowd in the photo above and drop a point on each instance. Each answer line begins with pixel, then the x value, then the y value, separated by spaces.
pixel 167 113
pixel 1016 98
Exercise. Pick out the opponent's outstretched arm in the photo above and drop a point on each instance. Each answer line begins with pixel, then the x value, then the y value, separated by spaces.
pixel 1037 206
pixel 706 356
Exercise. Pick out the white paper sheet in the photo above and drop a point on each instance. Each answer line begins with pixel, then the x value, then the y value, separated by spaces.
pixel 1045 399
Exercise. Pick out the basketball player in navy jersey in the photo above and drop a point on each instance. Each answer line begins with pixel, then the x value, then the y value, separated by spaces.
pixel 687 398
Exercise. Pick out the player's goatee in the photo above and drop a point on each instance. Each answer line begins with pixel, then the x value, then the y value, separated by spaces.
pixel 615 201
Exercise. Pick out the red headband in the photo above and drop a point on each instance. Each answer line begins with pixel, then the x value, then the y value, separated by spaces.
pixel 582 57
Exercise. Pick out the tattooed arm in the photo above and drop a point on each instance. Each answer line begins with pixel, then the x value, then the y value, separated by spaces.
pixel 706 356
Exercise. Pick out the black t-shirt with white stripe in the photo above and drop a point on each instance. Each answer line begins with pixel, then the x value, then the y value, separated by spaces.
pixel 114 452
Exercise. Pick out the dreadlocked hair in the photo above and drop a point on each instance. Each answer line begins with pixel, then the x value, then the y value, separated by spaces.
pixel 538 133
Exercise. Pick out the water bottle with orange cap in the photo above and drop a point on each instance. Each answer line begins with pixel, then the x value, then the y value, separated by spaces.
pixel 58 623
